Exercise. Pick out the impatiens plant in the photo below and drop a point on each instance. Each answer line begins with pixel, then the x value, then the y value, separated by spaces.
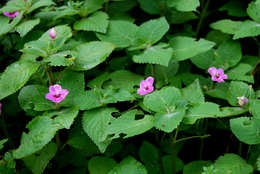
pixel 130 87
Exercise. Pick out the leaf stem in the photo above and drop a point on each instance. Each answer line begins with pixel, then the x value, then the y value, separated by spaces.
pixel 202 16
pixel 192 137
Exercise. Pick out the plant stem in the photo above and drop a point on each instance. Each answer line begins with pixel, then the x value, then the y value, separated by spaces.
pixel 240 149
pixel 202 16
pixel 192 137
pixel 173 150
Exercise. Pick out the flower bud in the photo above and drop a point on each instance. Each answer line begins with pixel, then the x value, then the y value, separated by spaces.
pixel 52 33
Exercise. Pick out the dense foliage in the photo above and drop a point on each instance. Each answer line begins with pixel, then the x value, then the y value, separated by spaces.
pixel 130 86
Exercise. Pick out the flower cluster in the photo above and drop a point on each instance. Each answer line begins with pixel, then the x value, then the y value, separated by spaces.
pixel 242 100
pixel 56 93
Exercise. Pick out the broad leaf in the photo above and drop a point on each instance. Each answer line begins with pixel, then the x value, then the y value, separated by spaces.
pixel 247 29
pixel 193 93
pixel 195 167
pixel 151 6
pixel 27 26
pixel 253 10
pixel 8 24
pixel 39 4
pixel 254 108
pixel 184 5
pixel 100 165
pixel 227 26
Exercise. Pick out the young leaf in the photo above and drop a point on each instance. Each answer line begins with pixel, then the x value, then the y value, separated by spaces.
pixel 19 72
pixel 97 22
pixel 184 5
pixel 187 47
pixel 95 123
pixel 246 129
pixel 91 54
pixel 39 161
pixel 129 165
pixel 120 33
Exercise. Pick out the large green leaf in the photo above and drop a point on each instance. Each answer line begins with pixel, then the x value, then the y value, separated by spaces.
pixel 247 29
pixel 193 93
pixel 232 164
pixel 151 6
pixel 7 24
pixel 97 22
pixel 241 72
pixel 187 47
pixel 163 101
pixel 14 5
pixel 235 8
pixel 39 4
pixel 246 129
pixel 41 131
pixel 129 165
pixel 184 5
pixel 100 165
pixel 152 31
pixel 91 54
pixel 128 126
pixel 27 26
pixel 39 161
pixel 154 55
pixel 95 123
pixel 254 107
pixel 227 26
pixel 253 10
pixel 19 73
pixel 90 6
pixel 120 33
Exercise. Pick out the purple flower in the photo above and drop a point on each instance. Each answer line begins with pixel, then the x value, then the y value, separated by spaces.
pixel 12 14
pixel 52 33
pixel 56 93
pixel 242 100
pixel 146 86
pixel 217 74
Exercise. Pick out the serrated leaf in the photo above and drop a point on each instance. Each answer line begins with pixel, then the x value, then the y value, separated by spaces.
pixel 27 26
pixel 38 162
pixel 187 47
pixel 128 126
pixel 232 164
pixel 168 122
pixel 184 5
pixel 154 55
pixel 60 59
pixel 247 29
pixel 7 24
pixel 193 93
pixel 227 26
pixel 19 72
pixel 41 131
pixel 39 4
pixel 97 22
pixel 128 165
pixel 238 89
pixel 14 5
pixel 95 124
pixel 33 97
pixel 91 54
pixel 164 100
pixel 91 6
pixel 120 33
pixel 152 31
pixel 246 129
pixel 253 10
pixel 100 165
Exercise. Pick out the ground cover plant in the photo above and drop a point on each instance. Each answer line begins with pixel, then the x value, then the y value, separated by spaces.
pixel 129 86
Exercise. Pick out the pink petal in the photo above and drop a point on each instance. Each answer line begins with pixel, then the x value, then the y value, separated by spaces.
pixel 224 76
pixel 150 80
pixel 212 71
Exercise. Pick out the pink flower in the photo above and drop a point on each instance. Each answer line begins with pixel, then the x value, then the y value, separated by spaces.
pixel 242 100
pixel 217 74
pixel 56 93
pixel 12 14
pixel 146 86
pixel 52 33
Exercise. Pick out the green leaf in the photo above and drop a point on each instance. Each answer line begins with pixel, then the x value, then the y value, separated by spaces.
pixel 100 165
pixel 154 55
pixel 152 31
pixel 254 108
pixel 39 4
pixel 187 47
pixel 219 91
pixel 178 17
pixel 41 131
pixel 95 123
pixel 227 26
pixel 60 59
pixel 201 110
pixel 247 29
pixel 39 161
pixel 33 97
pixel 164 100
pixel 90 6
pixel 151 6
pixel 204 60
pixel 120 33
pixel 195 167
pixel 128 165
pixel 253 10
pixel 98 22
pixel 27 26
pixel 241 72
pixel 19 72
pixel 193 93
pixel 168 122
pixel 184 5
pixel 128 126
pixel 235 8
pixel 2 142
pixel 7 24
pixel 14 5
pixel 238 89
pixel 232 164
pixel 91 54
pixel 167 162
pixel 246 129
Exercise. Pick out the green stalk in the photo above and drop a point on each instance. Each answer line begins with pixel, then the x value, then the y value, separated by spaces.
pixel 192 137
pixel 202 16
pixel 174 139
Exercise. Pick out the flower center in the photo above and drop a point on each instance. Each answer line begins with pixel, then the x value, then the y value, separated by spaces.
pixel 217 75
pixel 56 95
